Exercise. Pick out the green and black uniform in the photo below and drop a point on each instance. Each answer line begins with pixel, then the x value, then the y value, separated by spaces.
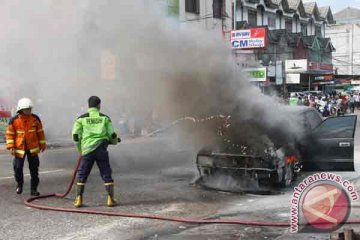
pixel 92 133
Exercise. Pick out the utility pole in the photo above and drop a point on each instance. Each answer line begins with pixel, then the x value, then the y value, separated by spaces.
pixel 235 14
pixel 284 82
pixel 352 49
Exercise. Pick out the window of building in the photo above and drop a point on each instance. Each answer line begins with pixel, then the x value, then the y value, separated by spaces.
pixel 304 28
pixel 252 18
pixel 218 8
pixel 318 31
pixel 192 6
pixel 279 18
pixel 288 24
pixel 272 21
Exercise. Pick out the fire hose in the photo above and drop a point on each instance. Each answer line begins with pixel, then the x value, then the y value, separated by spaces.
pixel 30 203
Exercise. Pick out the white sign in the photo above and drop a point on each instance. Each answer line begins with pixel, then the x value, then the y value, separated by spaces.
pixel 296 66
pixel 292 78
pixel 279 73
pixel 248 38
pixel 271 71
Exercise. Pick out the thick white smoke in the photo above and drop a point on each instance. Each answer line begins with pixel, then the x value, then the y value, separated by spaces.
pixel 52 52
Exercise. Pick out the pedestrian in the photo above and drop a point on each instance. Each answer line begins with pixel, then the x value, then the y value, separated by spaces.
pixel 322 106
pixel 299 101
pixel 339 105
pixel 357 101
pixel 92 133
pixel 25 137
pixel 351 103
pixel 293 99
pixel 312 102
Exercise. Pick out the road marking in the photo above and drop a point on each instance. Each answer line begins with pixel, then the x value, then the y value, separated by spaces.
pixel 28 174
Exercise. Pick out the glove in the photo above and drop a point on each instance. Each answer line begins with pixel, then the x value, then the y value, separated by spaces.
pixel 119 140
pixel 12 151
pixel 43 149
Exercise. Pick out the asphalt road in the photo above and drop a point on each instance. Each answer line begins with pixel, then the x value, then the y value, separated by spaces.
pixel 153 176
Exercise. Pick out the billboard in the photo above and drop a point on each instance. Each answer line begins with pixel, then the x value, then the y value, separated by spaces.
pixel 279 73
pixel 292 78
pixel 271 71
pixel 248 38
pixel 296 66
pixel 256 74
pixel 108 65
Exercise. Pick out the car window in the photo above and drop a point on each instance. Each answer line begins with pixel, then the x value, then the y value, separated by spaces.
pixel 339 127
pixel 313 119
pixel 304 122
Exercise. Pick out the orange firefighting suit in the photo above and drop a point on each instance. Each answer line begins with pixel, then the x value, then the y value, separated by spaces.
pixel 25 134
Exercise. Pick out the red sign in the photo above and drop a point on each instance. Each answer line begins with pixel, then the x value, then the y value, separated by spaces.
pixel 320 66
pixel 5 114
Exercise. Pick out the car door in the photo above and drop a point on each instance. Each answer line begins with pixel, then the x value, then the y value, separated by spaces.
pixel 330 146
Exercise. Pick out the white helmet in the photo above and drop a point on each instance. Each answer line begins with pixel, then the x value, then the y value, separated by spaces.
pixel 24 103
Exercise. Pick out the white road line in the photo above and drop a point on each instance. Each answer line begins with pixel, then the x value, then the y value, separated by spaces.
pixel 43 172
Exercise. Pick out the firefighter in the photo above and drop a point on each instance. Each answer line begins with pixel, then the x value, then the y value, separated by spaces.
pixel 92 133
pixel 25 138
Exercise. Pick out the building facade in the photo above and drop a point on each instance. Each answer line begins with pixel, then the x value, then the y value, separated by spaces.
pixel 207 14
pixel 345 34
pixel 295 30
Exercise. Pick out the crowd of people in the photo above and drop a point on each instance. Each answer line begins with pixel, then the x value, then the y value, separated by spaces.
pixel 334 104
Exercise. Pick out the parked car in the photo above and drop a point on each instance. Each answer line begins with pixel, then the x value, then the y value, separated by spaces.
pixel 324 145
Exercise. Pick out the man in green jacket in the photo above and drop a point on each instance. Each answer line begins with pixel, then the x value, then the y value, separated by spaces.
pixel 92 133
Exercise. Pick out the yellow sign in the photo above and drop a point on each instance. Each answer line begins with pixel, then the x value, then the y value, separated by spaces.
pixel 108 66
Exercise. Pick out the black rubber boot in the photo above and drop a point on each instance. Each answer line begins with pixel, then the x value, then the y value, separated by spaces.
pixel 34 192
pixel 19 188
pixel 33 187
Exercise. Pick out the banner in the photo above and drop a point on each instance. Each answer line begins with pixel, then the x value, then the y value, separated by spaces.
pixel 256 74
pixel 292 78
pixel 296 66
pixel 279 73
pixel 248 38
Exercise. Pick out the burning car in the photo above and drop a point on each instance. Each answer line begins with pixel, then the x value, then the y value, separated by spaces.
pixel 271 157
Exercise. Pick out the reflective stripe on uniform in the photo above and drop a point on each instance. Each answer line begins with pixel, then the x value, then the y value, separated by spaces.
pixel 32 130
pixel 109 184
pixel 42 141
pixel 37 149
pixel 10 132
pixel 22 152
pixel 19 131
pixel 88 149
pixel 10 141
pixel 80 184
